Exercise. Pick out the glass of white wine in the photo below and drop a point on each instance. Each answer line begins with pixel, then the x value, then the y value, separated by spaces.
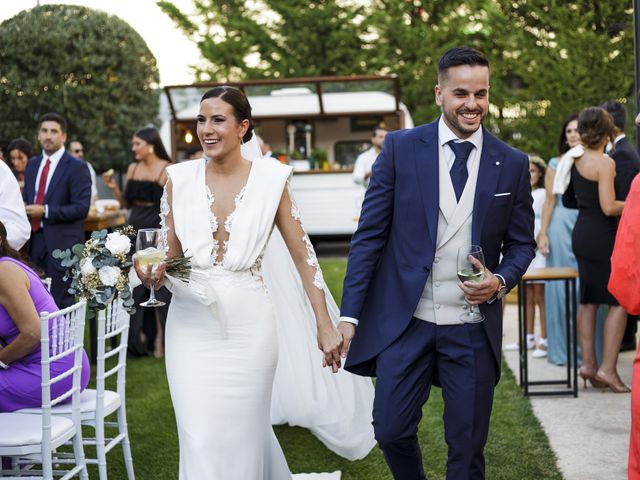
pixel 149 251
pixel 471 271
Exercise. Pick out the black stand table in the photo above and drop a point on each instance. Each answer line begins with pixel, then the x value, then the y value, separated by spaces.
pixel 568 276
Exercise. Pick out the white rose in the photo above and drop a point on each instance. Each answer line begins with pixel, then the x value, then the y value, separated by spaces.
pixel 118 243
pixel 109 275
pixel 86 266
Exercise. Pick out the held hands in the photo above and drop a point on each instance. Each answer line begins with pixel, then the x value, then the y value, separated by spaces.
pixel 476 293
pixel 149 276
pixel 330 343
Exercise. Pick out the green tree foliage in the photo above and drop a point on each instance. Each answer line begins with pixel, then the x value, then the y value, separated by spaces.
pixel 549 58
pixel 557 58
pixel 273 38
pixel 90 67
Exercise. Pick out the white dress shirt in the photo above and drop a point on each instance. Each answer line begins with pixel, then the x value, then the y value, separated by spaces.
pixel 55 160
pixel 363 166
pixel 12 212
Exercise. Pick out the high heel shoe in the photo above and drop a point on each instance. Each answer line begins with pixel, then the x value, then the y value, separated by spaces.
pixel 591 376
pixel 615 384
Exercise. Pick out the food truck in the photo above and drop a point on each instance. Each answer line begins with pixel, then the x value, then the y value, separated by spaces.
pixel 318 125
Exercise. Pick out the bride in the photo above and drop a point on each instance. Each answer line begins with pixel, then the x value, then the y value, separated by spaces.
pixel 221 335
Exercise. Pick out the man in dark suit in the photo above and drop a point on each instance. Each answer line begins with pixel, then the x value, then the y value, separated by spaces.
pixel 57 194
pixel 435 189
pixel 627 167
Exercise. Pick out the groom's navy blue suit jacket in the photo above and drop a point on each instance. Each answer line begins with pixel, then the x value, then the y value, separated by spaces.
pixel 393 249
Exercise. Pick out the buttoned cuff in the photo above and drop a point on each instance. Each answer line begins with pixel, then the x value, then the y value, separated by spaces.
pixel 349 320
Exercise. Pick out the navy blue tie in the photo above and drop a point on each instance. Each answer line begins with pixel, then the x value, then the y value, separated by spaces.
pixel 458 171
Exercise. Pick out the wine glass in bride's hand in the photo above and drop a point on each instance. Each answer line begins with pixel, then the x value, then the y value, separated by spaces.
pixel 471 269
pixel 149 251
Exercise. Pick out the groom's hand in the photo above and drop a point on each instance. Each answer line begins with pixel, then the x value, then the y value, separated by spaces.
pixel 348 330
pixel 479 292
pixel 329 343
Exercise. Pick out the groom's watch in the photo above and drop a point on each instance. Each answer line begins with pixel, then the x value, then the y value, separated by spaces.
pixel 501 292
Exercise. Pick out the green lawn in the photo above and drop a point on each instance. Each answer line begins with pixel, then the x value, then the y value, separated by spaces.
pixel 517 447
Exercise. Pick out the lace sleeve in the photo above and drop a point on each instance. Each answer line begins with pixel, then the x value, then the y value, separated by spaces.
pixel 164 211
pixel 167 232
pixel 292 229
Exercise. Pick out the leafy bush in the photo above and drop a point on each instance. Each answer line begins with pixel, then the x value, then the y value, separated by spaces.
pixel 91 67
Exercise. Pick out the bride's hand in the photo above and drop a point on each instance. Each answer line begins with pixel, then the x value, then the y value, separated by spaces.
pixel 148 276
pixel 329 343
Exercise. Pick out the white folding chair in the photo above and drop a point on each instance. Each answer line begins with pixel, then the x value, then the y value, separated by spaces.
pixel 31 439
pixel 97 404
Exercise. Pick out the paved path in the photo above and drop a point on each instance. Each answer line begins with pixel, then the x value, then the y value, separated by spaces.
pixel 590 434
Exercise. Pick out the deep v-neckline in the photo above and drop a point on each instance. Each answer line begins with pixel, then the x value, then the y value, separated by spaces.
pixel 228 221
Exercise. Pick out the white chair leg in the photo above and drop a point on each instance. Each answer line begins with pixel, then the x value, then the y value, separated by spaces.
pixel 78 453
pixel 126 447
pixel 101 455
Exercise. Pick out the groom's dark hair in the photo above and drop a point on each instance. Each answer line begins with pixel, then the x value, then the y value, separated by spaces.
pixel 238 100
pixel 457 56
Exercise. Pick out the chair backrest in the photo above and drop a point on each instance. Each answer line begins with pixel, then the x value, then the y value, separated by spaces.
pixel 113 322
pixel 66 328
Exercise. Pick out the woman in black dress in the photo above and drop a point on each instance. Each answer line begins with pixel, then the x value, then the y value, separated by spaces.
pixel 592 191
pixel 142 193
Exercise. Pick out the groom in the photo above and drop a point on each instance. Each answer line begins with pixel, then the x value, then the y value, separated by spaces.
pixel 436 188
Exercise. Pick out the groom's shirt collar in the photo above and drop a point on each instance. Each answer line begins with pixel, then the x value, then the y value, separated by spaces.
pixel 445 135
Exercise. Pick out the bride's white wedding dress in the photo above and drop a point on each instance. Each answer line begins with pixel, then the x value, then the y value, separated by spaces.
pixel 222 339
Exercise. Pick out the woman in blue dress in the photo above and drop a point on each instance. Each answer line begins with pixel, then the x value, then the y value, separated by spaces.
pixel 554 241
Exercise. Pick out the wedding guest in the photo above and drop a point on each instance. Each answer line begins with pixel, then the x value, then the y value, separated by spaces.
pixel 364 162
pixel 142 193
pixel 624 284
pixel 591 190
pixel 12 211
pixel 554 241
pixel 23 297
pixel 19 154
pixel 57 191
pixel 77 150
pixel 535 291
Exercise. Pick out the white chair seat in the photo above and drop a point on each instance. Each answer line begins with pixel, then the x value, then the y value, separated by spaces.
pixel 26 429
pixel 87 404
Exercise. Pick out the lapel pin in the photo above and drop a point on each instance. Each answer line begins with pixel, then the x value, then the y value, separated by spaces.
pixel 497 163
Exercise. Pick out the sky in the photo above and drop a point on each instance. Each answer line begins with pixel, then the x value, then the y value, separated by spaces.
pixel 173 51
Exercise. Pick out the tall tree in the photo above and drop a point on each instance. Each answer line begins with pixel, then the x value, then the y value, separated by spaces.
pixel 90 67
pixel 273 38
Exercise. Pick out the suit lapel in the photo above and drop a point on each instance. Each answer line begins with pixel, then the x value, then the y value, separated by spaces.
pixel 426 163
pixel 489 171
pixel 31 174
pixel 57 175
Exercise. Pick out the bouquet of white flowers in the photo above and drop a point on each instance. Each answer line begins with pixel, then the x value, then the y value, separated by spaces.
pixel 99 268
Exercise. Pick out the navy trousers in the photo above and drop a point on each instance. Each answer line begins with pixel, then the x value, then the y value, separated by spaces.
pixel 42 258
pixel 459 359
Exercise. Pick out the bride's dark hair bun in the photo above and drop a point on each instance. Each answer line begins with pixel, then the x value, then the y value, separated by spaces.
pixel 238 100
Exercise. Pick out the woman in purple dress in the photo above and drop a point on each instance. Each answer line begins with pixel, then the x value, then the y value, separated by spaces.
pixel 22 297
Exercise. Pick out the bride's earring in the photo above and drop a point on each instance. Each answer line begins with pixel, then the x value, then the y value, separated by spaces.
pixel 241 140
